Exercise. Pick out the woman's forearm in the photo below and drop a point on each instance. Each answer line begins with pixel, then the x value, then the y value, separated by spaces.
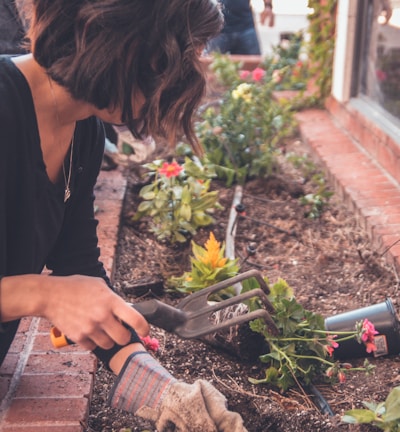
pixel 22 296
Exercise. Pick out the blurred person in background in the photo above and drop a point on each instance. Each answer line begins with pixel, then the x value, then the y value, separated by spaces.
pixel 239 35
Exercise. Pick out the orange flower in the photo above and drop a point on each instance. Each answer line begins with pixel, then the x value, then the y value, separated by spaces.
pixel 170 169
pixel 212 257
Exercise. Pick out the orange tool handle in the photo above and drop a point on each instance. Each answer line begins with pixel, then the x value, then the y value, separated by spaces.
pixel 58 339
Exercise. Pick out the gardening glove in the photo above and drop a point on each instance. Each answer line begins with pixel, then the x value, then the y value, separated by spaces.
pixel 146 389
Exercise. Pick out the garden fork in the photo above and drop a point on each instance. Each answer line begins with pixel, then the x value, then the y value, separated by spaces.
pixel 193 316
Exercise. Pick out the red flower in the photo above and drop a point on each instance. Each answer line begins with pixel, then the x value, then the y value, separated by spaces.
pixel 170 169
pixel 258 74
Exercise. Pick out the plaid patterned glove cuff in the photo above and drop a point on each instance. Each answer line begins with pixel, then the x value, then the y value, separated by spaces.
pixel 142 382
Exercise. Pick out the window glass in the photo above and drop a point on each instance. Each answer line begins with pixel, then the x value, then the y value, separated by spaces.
pixel 380 75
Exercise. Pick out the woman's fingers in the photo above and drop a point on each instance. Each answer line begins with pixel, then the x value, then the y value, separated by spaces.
pixel 127 314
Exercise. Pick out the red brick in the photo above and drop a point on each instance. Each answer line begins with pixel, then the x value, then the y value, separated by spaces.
pixel 55 385
pixel 4 385
pixel 24 324
pixel 9 364
pixel 110 185
pixel 18 343
pixel 44 325
pixel 30 411
pixel 76 427
pixel 57 361
pixel 42 343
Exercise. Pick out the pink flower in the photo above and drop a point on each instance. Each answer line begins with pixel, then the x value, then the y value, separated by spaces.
pixel 381 75
pixel 368 331
pixel 331 344
pixel 330 372
pixel 329 349
pixel 244 74
pixel 152 344
pixel 170 169
pixel 258 74
pixel 341 377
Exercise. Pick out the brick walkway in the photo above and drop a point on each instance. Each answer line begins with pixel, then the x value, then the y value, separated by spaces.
pixel 44 390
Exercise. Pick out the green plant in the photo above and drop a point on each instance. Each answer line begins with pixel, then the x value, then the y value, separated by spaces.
pixel 178 200
pixel 225 70
pixel 287 67
pixel 384 415
pixel 314 202
pixel 303 349
pixel 322 26
pixel 208 266
pixel 241 135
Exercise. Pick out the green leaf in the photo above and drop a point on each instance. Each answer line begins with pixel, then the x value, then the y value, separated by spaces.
pixel 160 203
pixel 186 195
pixel 266 358
pixel 185 212
pixel 271 376
pixel 177 192
pixel 179 237
pixel 392 405
pixel 150 195
pixel 146 190
pixel 144 206
pixel 281 289
pixel 202 219
pixel 357 416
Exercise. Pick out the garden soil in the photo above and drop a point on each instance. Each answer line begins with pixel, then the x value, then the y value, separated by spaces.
pixel 328 261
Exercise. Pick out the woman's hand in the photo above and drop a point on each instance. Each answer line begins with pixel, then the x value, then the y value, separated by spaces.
pixel 89 313
pixel 83 308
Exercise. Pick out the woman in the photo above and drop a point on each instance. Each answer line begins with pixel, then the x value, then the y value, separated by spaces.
pixel 132 62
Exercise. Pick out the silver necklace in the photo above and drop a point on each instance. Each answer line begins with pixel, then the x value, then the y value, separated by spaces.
pixel 67 179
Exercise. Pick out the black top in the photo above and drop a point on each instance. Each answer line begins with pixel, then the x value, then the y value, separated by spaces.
pixel 37 228
pixel 238 15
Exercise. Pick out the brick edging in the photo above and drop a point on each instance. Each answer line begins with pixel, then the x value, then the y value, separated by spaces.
pixel 363 185
pixel 47 390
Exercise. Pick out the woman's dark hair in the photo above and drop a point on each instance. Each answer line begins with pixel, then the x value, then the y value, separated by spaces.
pixel 103 51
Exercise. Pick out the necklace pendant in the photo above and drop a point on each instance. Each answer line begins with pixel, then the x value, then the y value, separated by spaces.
pixel 67 194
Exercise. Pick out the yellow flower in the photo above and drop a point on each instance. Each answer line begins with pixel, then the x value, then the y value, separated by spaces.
pixel 213 253
pixel 242 91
